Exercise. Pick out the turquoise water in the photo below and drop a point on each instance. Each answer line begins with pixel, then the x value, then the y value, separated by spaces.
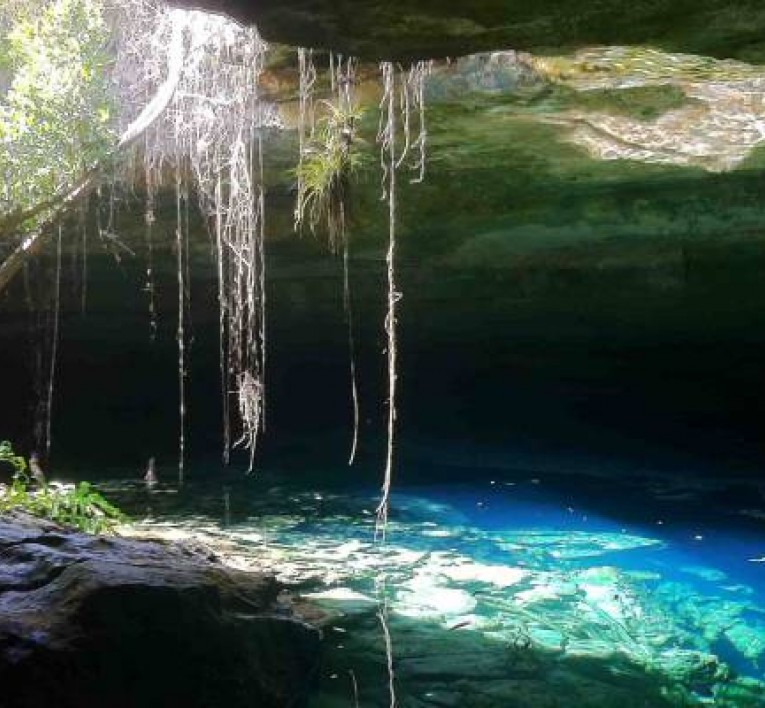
pixel 512 590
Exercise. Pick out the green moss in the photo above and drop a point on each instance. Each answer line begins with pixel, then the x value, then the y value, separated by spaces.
pixel 641 102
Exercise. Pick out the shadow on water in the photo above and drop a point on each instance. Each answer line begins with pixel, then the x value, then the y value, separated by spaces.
pixel 435 666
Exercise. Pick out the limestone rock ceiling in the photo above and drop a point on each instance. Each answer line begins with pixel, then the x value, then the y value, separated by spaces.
pixel 403 29
pixel 611 103
pixel 629 103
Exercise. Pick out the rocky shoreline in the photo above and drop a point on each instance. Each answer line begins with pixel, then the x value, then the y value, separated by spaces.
pixel 92 621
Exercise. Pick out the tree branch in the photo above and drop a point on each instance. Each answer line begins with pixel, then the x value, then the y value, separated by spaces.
pixel 33 242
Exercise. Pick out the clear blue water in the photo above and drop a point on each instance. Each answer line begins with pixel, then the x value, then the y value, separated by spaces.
pixel 509 590
pixel 693 530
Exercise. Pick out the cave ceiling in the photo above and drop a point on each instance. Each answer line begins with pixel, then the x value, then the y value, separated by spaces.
pixel 558 125
pixel 404 30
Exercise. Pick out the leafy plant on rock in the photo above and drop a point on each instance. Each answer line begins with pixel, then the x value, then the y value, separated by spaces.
pixel 8 456
pixel 78 505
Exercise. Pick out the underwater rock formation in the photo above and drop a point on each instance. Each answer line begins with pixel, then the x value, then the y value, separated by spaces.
pixel 91 621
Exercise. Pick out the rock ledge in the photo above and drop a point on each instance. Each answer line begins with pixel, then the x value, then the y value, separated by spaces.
pixel 89 621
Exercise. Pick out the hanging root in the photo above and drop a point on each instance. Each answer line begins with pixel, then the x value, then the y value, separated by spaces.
pixel 390 162
pixel 347 306
pixel 409 98
pixel 84 243
pixel 43 300
pixel 306 124
pixel 180 333
pixel 208 132
pixel 415 88
pixel 149 219
pixel 250 397
pixel 186 83
pixel 53 348
pixel 387 141
pixel 344 82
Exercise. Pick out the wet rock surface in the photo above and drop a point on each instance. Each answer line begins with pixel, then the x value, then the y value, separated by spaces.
pixel 94 621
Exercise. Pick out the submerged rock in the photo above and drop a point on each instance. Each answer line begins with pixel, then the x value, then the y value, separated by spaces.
pixel 748 639
pixel 498 575
pixel 89 621
pixel 346 599
pixel 423 596
pixel 740 692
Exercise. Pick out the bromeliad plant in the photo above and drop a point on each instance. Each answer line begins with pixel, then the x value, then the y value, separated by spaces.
pixel 326 165
pixel 76 505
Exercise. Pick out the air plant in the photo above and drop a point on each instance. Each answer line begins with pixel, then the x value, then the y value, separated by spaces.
pixel 328 161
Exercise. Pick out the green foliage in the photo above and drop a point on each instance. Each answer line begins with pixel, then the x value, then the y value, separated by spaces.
pixel 80 506
pixel 55 119
pixel 7 455
pixel 327 163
